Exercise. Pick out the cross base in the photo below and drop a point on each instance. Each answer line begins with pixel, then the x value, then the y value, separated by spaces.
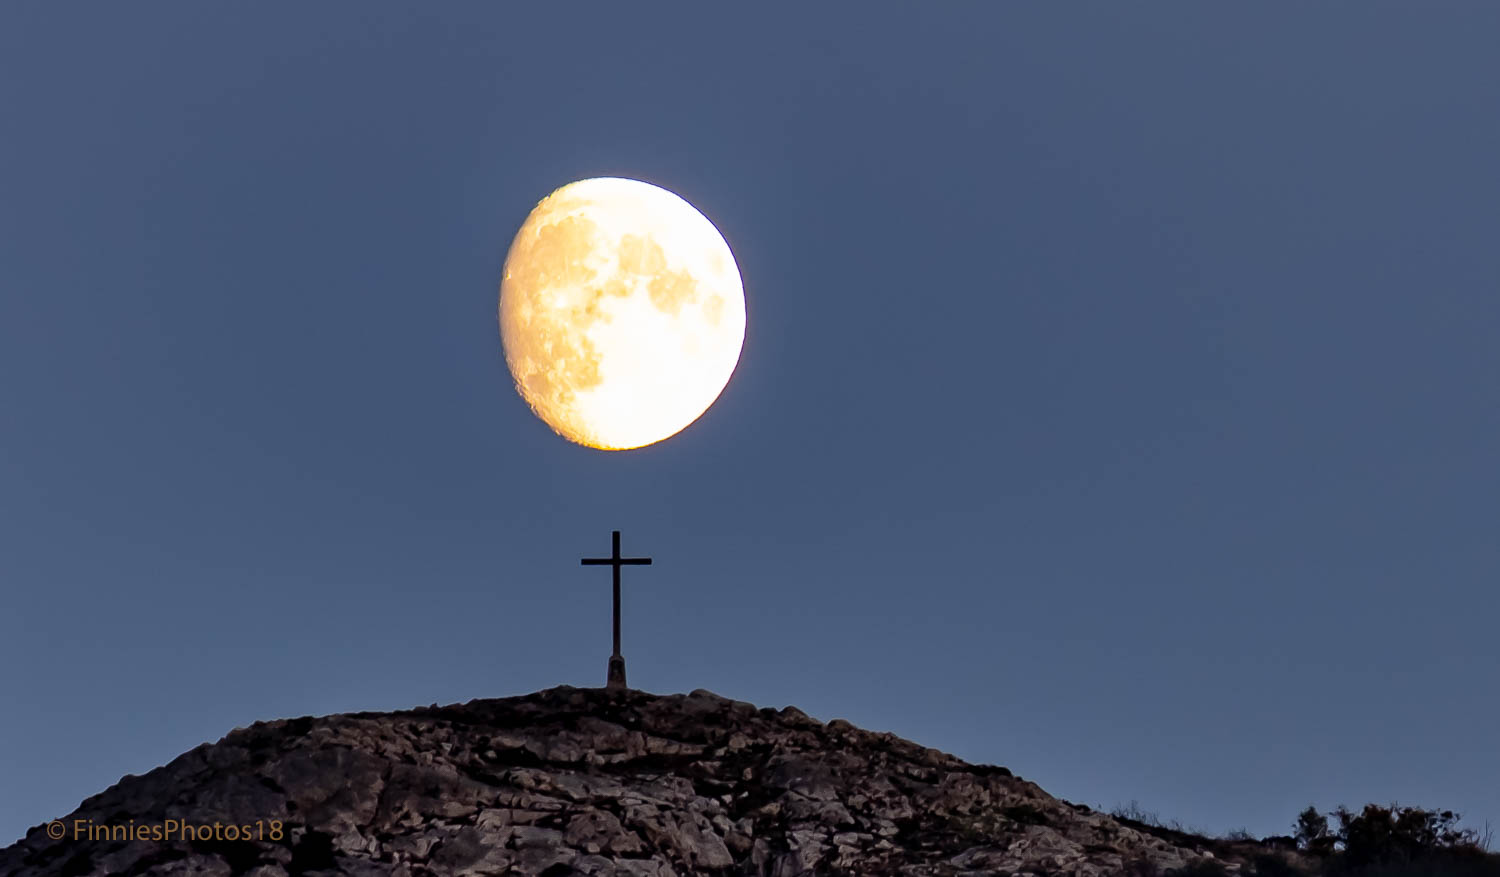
pixel 616 672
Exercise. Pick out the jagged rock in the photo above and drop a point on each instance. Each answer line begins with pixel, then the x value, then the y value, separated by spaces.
pixel 588 782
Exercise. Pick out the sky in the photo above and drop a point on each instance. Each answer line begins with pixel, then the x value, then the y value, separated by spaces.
pixel 1117 402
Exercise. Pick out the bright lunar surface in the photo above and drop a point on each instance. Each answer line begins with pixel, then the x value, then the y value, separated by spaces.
pixel 621 312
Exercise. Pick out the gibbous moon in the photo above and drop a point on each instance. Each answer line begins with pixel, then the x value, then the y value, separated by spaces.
pixel 621 313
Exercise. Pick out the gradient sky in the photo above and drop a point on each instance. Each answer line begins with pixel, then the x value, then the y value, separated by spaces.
pixel 1118 402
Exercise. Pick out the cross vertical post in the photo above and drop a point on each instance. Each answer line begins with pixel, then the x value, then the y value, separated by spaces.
pixel 615 555
pixel 616 676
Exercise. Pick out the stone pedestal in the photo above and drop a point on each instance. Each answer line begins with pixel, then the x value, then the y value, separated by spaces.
pixel 616 672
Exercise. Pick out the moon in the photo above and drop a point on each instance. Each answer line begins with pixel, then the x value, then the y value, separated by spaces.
pixel 622 313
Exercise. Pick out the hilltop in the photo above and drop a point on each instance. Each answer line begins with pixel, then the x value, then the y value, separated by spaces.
pixel 574 781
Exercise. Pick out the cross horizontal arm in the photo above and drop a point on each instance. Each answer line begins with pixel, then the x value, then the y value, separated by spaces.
pixel 610 561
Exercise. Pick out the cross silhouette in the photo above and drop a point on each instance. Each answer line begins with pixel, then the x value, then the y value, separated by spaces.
pixel 616 677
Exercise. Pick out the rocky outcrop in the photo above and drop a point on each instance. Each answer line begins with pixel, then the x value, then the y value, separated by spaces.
pixel 582 781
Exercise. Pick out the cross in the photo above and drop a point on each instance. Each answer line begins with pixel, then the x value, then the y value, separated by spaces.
pixel 616 677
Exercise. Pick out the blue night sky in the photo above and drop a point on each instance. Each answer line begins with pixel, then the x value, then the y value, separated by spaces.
pixel 1118 400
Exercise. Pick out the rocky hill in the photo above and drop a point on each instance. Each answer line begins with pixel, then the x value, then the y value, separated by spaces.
pixel 585 781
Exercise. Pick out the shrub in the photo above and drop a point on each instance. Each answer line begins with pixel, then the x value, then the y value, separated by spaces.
pixel 1398 834
pixel 1312 832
